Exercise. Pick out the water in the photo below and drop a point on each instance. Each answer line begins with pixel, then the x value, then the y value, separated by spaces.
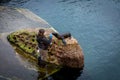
pixel 94 23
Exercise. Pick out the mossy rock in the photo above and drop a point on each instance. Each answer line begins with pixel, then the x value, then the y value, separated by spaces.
pixel 24 40
pixel 57 53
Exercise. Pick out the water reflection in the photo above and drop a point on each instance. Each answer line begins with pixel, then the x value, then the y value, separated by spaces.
pixel 66 74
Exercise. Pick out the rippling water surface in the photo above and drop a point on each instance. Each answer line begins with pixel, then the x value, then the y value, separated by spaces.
pixel 94 23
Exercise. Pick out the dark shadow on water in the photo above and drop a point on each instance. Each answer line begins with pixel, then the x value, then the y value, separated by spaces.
pixel 116 1
pixel 63 0
pixel 72 1
pixel 4 1
pixel 2 78
pixel 13 3
pixel 66 74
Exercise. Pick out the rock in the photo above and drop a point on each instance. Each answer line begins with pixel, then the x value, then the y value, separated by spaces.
pixel 70 55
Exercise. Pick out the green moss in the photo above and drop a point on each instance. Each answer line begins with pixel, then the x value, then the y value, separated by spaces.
pixel 11 38
pixel 22 46
pixel 19 39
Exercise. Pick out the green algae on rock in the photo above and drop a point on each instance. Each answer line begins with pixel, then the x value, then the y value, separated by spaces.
pixel 24 40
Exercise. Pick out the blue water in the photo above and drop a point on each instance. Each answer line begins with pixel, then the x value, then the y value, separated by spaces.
pixel 94 23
